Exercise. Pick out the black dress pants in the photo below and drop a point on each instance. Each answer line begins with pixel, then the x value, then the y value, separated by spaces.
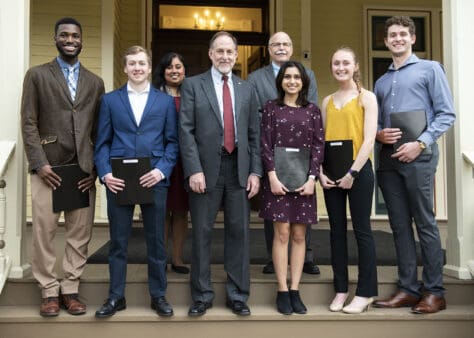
pixel 360 206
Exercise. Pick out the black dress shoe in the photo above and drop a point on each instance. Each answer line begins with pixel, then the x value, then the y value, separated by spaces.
pixel 284 303
pixel 269 268
pixel 198 308
pixel 110 307
pixel 162 307
pixel 296 302
pixel 311 268
pixel 238 307
pixel 180 269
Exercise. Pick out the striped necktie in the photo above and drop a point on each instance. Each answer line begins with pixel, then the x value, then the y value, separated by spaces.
pixel 71 82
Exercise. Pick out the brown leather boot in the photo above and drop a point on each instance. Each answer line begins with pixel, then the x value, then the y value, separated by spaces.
pixel 49 307
pixel 72 304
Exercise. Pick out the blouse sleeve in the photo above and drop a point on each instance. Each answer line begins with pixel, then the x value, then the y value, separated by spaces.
pixel 317 146
pixel 266 139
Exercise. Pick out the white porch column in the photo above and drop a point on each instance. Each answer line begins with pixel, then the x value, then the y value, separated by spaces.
pixel 458 30
pixel 14 59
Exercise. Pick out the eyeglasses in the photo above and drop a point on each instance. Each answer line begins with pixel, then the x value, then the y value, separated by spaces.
pixel 280 44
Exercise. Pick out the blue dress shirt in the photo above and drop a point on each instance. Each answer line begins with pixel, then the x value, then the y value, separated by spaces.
pixel 416 85
pixel 64 67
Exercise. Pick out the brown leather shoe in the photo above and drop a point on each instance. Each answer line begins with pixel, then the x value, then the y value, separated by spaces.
pixel 49 307
pixel 72 304
pixel 429 303
pixel 400 299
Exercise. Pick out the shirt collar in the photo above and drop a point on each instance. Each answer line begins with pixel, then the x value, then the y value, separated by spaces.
pixel 64 65
pixel 411 59
pixel 276 68
pixel 217 76
pixel 130 90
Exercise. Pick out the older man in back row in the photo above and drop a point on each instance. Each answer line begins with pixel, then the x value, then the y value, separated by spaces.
pixel 280 48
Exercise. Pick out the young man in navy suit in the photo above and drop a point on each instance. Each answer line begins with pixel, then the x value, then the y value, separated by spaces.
pixel 137 120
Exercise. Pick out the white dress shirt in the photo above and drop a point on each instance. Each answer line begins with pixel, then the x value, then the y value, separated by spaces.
pixel 218 87
pixel 138 101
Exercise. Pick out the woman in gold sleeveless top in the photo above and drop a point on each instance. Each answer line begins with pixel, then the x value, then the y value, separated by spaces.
pixel 350 116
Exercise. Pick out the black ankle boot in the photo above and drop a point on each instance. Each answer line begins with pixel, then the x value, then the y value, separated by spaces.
pixel 297 303
pixel 284 303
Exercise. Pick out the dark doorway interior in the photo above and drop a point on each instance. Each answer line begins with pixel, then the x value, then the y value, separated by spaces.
pixel 193 44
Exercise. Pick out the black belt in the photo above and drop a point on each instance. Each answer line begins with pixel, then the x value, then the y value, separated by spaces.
pixel 224 152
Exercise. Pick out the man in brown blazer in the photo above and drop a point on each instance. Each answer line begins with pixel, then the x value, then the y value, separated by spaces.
pixel 59 109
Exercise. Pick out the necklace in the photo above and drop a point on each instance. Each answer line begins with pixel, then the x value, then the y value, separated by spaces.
pixel 170 91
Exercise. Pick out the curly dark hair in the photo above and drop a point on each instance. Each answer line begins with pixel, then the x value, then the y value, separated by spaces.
pixel 66 21
pixel 404 21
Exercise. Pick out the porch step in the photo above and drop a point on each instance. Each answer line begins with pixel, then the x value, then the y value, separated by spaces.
pixel 19 304
pixel 137 321
pixel 315 289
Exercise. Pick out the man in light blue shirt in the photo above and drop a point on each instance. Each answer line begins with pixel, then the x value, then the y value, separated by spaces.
pixel 406 172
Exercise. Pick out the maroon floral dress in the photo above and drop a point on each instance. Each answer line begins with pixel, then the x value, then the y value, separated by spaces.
pixel 297 127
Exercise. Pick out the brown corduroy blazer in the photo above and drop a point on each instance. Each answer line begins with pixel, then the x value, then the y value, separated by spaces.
pixel 55 129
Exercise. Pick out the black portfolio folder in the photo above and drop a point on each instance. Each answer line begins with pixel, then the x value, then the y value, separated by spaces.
pixel 337 158
pixel 130 170
pixel 411 123
pixel 292 166
pixel 67 196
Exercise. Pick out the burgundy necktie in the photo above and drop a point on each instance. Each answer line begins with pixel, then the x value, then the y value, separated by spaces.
pixel 229 133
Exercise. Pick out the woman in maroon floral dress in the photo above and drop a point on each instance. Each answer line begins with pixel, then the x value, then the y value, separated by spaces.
pixel 290 121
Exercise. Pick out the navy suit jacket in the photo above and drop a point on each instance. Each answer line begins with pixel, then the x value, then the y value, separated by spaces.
pixel 119 135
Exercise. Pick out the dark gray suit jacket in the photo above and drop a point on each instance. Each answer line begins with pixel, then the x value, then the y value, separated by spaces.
pixel 263 80
pixel 201 129
pixel 57 130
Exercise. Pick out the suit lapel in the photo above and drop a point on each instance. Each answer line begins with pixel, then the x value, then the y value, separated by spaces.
pixel 270 78
pixel 152 95
pixel 208 88
pixel 237 82
pixel 59 76
pixel 126 103
pixel 81 83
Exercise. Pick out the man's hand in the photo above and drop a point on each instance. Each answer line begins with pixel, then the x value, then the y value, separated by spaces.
pixel 197 183
pixel 389 135
pixel 49 176
pixel 151 178
pixel 114 184
pixel 408 152
pixel 253 185
pixel 87 183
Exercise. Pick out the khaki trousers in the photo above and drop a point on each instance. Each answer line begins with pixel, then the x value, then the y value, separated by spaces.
pixel 78 231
